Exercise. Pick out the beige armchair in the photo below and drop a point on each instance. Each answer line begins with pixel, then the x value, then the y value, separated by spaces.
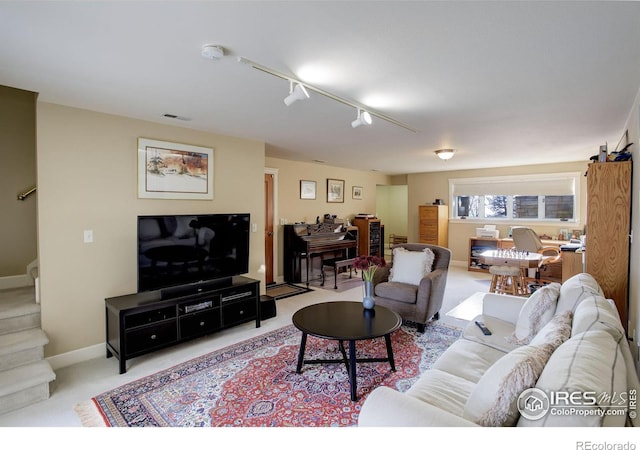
pixel 416 303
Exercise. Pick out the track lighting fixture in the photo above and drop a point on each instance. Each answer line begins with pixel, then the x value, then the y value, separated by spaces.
pixel 295 93
pixel 364 118
pixel 445 153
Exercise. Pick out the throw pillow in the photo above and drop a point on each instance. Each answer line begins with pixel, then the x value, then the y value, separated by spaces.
pixel 557 331
pixel 410 266
pixel 535 313
pixel 493 401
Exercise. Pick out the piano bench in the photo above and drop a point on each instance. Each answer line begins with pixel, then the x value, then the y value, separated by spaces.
pixel 337 265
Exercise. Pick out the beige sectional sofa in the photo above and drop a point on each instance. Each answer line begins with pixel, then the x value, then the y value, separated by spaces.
pixel 559 358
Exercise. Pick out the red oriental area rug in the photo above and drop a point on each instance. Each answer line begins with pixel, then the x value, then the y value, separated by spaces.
pixel 254 383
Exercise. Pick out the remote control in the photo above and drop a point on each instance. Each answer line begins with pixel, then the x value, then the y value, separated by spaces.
pixel 484 329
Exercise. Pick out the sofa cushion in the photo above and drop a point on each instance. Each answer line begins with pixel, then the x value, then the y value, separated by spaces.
pixel 597 313
pixel 588 362
pixel 493 401
pixel 401 292
pixel 500 330
pixel 575 289
pixel 556 331
pixel 443 390
pixel 535 313
pixel 477 359
pixel 410 266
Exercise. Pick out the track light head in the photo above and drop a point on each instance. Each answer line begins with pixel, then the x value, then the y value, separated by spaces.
pixel 364 118
pixel 296 93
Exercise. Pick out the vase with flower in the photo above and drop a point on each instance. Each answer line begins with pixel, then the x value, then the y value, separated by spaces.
pixel 368 265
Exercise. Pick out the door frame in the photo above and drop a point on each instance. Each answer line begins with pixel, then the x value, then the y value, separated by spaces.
pixel 273 171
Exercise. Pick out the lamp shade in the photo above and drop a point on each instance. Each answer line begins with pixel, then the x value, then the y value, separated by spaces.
pixel 445 153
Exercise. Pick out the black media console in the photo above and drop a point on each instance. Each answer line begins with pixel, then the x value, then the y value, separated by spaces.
pixel 141 323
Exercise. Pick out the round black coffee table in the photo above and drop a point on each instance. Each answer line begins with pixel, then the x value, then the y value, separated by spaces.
pixel 346 321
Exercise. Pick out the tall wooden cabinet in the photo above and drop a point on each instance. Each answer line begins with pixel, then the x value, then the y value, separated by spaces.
pixel 608 229
pixel 370 236
pixel 434 225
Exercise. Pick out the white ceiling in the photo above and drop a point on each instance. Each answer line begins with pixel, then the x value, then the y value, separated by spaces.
pixel 504 83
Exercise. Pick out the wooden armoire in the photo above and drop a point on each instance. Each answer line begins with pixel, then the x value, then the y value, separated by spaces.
pixel 608 230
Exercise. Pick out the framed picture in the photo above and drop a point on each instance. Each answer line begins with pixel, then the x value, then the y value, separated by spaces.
pixel 307 190
pixel 335 191
pixel 169 170
pixel 356 192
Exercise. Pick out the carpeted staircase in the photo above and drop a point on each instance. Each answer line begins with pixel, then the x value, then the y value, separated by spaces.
pixel 24 373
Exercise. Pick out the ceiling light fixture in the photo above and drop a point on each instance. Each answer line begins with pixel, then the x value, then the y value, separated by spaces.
pixel 211 51
pixel 445 153
pixel 364 118
pixel 296 93
pixel 327 94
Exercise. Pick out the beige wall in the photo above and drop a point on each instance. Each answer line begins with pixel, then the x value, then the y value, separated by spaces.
pixel 87 181
pixel 292 209
pixel 425 187
pixel 17 174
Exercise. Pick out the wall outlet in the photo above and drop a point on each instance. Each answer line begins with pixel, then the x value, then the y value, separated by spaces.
pixel 88 236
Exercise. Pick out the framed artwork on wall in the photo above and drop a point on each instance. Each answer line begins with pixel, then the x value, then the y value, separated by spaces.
pixel 168 170
pixel 335 191
pixel 307 190
pixel 356 192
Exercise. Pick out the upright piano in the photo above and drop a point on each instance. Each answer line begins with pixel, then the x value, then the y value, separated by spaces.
pixel 304 241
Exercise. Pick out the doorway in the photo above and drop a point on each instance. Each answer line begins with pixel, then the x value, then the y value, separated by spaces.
pixel 270 237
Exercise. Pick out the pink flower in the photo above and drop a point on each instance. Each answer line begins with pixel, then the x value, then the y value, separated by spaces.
pixel 369 265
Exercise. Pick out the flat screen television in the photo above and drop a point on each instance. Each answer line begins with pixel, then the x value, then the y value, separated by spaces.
pixel 182 250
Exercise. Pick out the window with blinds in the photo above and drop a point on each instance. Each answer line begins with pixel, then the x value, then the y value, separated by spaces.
pixel 542 197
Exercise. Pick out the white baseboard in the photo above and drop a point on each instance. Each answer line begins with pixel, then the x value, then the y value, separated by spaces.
pixel 77 356
pixel 15 281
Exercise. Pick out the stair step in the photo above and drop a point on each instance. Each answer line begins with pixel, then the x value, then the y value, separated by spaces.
pixel 25 385
pixel 24 347
pixel 18 310
pixel 18 302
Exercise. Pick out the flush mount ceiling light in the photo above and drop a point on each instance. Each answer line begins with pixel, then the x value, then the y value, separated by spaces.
pixel 296 93
pixel 362 110
pixel 211 51
pixel 364 118
pixel 445 153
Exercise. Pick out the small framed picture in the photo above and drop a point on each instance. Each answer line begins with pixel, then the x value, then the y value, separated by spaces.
pixel 307 190
pixel 356 192
pixel 335 191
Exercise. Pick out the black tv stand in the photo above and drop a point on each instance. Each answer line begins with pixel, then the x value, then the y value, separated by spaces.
pixel 195 288
pixel 141 323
